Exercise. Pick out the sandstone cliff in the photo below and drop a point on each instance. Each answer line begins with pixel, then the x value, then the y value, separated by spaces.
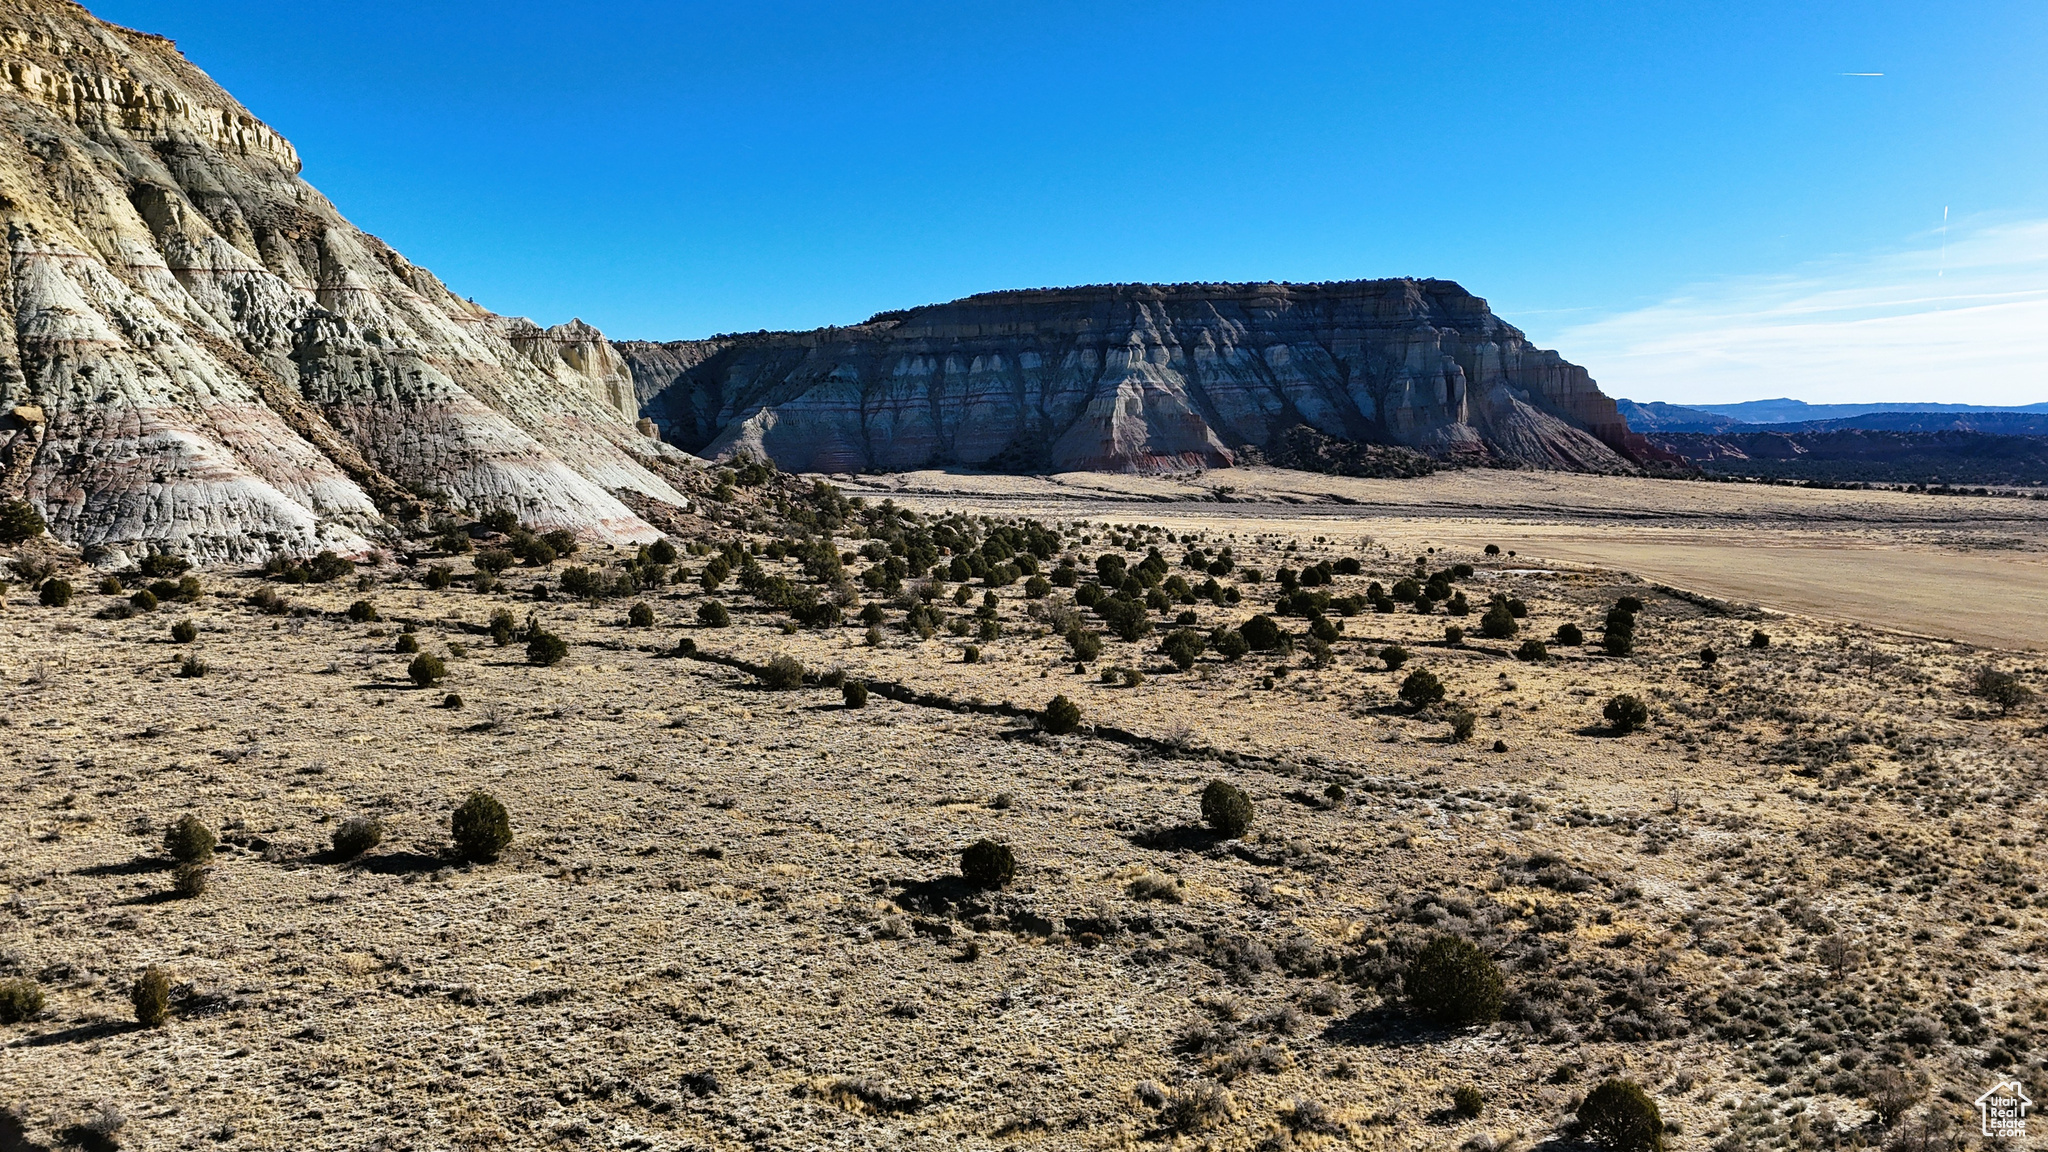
pixel 1137 377
pixel 197 351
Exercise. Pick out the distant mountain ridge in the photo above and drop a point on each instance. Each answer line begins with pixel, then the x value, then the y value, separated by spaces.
pixel 1651 417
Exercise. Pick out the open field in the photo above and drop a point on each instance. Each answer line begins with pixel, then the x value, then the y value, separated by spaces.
pixel 1973 569
pixel 731 916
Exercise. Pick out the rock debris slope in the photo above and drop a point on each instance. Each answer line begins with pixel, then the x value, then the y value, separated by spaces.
pixel 1137 377
pixel 197 351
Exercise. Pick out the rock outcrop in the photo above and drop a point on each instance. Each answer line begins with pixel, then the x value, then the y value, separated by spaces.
pixel 1137 377
pixel 217 362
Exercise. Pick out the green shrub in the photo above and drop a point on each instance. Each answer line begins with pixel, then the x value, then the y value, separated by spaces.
pixel 1087 645
pixel 1620 636
pixel 1061 716
pixel 1261 633
pixel 1625 713
pixel 111 586
pixel 184 632
pixel 1570 635
pixel 192 668
pixel 640 615
pixel 1499 622
pixel 1229 643
pixel 2001 688
pixel 872 613
pixel 55 593
pixel 1227 809
pixel 186 591
pixel 144 601
pixel 1421 689
pixel 544 647
pixel 1629 604
pixel 1452 982
pixel 1709 657
pixel 20 999
pixel 1183 646
pixel 783 673
pixel 1319 653
pixel 439 576
pixel 1621 1117
pixel 1132 678
pixel 164 564
pixel 970 654
pixel 1037 588
pixel 20 522
pixel 363 612
pixel 712 614
pixel 1467 1101
pixel 426 670
pixel 481 828
pixel 987 864
pixel 407 644
pixel 503 628
pixel 1454 635
pixel 494 561
pixel 1533 650
pixel 1758 638
pixel 189 841
pixel 151 997
pixel 452 701
pixel 1463 721
pixel 357 835
pixel 855 694
pixel 662 552
pixel 1393 656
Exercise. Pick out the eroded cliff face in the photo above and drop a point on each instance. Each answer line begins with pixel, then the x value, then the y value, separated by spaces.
pixel 198 352
pixel 1136 377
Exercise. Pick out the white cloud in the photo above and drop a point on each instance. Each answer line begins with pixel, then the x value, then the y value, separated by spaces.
pixel 1968 324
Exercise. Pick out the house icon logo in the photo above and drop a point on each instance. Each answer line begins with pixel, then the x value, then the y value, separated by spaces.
pixel 2003 1110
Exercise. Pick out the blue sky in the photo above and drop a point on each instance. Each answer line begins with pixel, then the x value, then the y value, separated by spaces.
pixel 1692 200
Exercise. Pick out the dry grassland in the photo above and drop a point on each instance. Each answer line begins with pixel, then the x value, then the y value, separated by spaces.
pixel 730 916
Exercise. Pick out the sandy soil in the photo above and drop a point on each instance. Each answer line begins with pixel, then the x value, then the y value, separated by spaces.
pixel 731 917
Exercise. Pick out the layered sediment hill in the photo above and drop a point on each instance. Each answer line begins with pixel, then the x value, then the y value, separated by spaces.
pixel 1138 377
pixel 198 352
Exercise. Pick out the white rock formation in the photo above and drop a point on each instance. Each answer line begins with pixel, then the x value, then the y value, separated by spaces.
pixel 225 366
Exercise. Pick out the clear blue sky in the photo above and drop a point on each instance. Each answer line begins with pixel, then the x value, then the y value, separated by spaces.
pixel 668 170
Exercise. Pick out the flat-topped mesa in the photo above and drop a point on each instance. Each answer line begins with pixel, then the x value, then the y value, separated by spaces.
pixel 1138 377
pixel 224 365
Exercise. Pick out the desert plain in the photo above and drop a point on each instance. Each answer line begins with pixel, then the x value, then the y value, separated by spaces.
pixel 1799 905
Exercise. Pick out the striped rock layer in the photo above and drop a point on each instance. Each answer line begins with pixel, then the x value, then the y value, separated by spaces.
pixel 1136 377
pixel 197 352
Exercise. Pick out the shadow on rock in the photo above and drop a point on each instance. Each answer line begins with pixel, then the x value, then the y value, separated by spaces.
pixel 938 896
pixel 136 867
pixel 80 1034
pixel 1176 837
pixel 1387 1026
pixel 400 863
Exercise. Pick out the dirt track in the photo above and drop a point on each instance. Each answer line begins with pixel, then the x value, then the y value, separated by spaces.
pixel 1971 569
